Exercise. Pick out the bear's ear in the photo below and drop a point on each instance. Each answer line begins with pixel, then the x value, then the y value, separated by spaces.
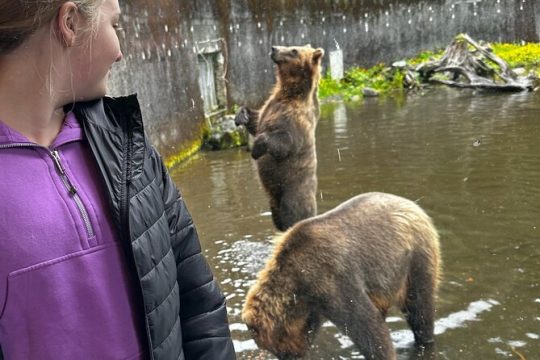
pixel 317 55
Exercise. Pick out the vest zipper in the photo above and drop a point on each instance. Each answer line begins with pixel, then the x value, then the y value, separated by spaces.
pixel 65 180
pixel 127 150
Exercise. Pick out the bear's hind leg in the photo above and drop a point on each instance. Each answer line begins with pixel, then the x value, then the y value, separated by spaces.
pixel 276 212
pixel 295 206
pixel 358 318
pixel 276 218
pixel 419 306
pixel 287 215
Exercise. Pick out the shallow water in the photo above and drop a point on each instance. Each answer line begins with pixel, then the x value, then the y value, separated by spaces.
pixel 470 159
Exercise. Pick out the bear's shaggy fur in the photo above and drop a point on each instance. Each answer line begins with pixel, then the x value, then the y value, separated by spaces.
pixel 348 265
pixel 284 131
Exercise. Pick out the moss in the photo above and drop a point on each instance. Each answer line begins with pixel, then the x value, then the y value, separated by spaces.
pixel 226 137
pixel 184 154
pixel 206 129
pixel 189 149
pixel 238 139
pixel 235 108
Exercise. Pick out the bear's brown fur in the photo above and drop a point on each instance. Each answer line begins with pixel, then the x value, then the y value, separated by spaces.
pixel 284 131
pixel 348 265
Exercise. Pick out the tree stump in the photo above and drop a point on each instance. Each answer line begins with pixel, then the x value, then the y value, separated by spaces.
pixel 467 64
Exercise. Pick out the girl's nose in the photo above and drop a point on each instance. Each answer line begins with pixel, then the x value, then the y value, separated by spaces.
pixel 119 57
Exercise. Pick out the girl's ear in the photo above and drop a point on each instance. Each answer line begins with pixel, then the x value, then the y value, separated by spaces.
pixel 67 23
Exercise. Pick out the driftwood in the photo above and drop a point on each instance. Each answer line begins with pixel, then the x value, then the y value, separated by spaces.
pixel 478 68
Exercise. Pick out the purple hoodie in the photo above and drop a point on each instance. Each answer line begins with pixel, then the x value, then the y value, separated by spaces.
pixel 64 288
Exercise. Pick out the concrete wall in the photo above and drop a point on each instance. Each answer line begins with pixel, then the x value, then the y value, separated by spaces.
pixel 162 38
pixel 537 16
pixel 160 65
pixel 367 32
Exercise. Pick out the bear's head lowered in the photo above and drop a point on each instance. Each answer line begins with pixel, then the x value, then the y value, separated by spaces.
pixel 298 68
pixel 286 331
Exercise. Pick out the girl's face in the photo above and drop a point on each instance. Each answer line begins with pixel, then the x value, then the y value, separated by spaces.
pixel 93 58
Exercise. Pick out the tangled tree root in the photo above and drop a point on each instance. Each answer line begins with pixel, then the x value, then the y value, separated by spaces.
pixel 467 64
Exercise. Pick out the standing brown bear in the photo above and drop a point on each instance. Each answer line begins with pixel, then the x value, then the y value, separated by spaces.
pixel 348 265
pixel 284 131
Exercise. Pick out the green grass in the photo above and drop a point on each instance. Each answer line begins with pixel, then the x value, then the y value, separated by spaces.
pixel 379 77
pixel 527 55
pixel 425 56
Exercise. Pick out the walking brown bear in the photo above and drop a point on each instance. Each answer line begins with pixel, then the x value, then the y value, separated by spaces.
pixel 348 265
pixel 284 131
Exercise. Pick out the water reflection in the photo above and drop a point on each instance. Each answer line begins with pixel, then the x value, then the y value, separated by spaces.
pixel 469 159
pixel 340 120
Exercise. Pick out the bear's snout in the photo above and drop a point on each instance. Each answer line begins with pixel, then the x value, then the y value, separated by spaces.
pixel 274 54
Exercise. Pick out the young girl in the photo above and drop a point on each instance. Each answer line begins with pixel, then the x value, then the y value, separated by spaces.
pixel 99 258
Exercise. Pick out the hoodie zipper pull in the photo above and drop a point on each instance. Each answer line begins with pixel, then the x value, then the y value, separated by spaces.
pixel 56 157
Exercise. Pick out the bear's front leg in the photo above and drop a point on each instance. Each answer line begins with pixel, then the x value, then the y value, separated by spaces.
pixel 419 306
pixel 249 118
pixel 356 316
pixel 280 144
pixel 260 146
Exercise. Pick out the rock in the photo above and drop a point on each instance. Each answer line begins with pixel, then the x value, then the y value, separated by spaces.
pixel 402 64
pixel 224 134
pixel 519 71
pixel 369 92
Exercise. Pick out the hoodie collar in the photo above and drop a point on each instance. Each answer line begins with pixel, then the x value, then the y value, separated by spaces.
pixel 70 131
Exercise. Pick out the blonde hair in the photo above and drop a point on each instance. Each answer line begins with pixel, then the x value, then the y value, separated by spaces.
pixel 21 18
